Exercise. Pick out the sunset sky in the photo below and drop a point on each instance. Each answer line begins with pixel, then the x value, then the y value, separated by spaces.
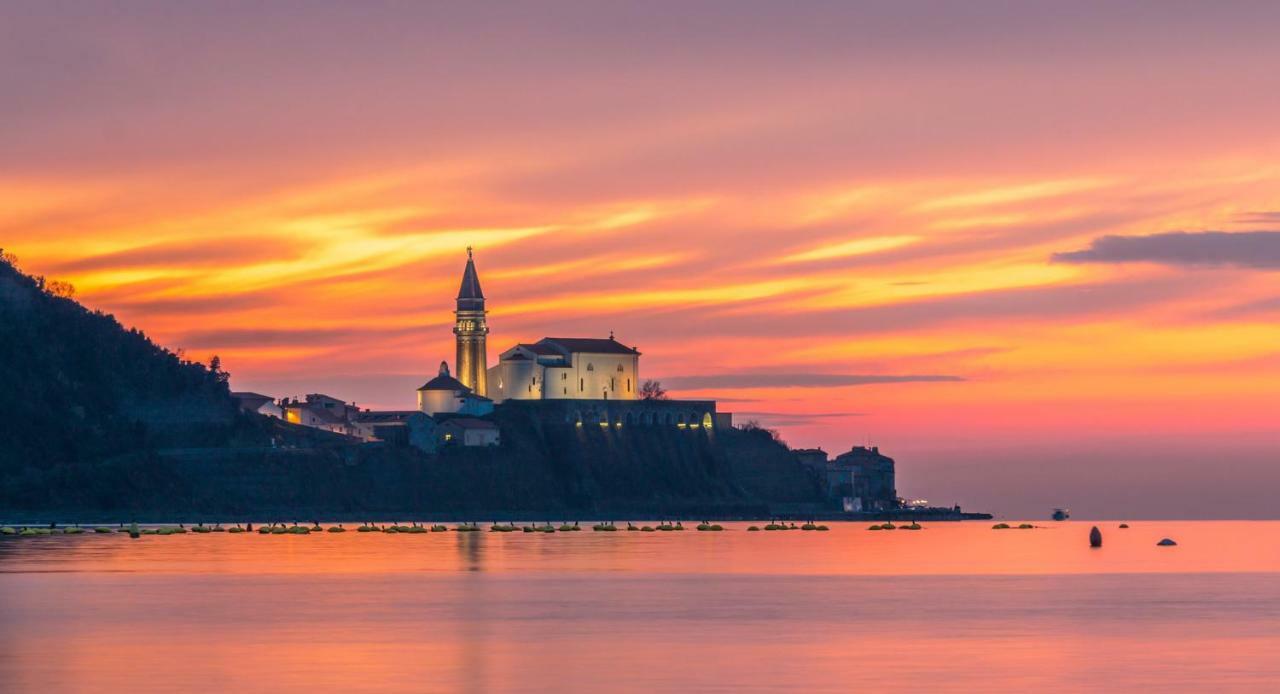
pixel 1031 250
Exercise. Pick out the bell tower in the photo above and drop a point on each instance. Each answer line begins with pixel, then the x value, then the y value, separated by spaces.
pixel 470 328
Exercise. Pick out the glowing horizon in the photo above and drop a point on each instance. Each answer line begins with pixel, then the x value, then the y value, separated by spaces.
pixel 955 244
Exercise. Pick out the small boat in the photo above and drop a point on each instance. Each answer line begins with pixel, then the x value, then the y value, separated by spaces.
pixel 1061 514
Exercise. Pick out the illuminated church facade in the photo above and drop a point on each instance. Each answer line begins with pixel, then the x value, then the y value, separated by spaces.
pixel 566 368
pixel 553 368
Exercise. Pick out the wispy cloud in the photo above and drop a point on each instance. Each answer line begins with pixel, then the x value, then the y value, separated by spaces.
pixel 198 253
pixel 1251 249
pixel 1258 217
pixel 788 419
pixel 730 381
pixel 1251 309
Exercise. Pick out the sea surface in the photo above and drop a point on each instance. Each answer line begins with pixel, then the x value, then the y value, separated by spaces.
pixel 952 607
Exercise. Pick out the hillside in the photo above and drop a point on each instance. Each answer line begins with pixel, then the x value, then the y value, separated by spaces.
pixel 104 423
pixel 78 386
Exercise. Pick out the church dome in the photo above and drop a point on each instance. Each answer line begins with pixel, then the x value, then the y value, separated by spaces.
pixel 445 382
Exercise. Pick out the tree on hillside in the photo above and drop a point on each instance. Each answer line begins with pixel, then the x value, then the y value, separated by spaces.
pixel 215 368
pixel 652 390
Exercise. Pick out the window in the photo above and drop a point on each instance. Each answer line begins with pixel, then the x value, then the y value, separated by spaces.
pixel 628 385
pixel 611 385
pixel 619 368
pixel 564 376
pixel 581 384
pixel 591 367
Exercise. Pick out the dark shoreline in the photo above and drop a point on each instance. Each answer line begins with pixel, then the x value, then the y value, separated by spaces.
pixel 90 519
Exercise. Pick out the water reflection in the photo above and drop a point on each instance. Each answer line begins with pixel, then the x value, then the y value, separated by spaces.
pixel 950 607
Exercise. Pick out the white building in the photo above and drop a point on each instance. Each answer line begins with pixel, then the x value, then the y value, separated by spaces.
pixel 321 411
pixel 445 394
pixel 566 368
pixel 467 431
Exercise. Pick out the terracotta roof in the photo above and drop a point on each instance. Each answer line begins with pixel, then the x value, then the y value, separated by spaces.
pixel 590 345
pixel 540 349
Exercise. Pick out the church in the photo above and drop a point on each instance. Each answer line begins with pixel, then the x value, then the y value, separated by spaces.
pixel 553 368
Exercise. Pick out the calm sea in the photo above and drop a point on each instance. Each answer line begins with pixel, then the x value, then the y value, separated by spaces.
pixel 953 607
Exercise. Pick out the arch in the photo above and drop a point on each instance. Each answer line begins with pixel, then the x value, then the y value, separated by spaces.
pixel 591 367
pixel 707 420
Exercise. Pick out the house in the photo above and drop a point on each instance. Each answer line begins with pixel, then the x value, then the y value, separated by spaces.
pixel 258 404
pixel 322 412
pixel 397 428
pixel 467 431
pixel 863 480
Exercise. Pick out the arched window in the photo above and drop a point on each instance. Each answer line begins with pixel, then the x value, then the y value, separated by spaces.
pixel 628 385
pixel 581 384
pixel 591 367
pixel 619 368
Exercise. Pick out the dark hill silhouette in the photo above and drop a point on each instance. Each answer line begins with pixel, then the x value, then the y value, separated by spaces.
pixel 78 386
pixel 103 423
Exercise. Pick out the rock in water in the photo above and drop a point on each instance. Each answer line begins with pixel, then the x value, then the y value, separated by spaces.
pixel 1166 543
pixel 1095 537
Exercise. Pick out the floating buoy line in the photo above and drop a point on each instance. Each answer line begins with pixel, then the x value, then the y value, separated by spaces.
pixel 134 530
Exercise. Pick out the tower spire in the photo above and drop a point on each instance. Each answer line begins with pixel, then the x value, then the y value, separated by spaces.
pixel 470 330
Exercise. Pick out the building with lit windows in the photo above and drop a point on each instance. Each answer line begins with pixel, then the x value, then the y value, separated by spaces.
pixel 553 368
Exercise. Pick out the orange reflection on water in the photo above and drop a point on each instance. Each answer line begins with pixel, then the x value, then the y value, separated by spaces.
pixel 954 606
